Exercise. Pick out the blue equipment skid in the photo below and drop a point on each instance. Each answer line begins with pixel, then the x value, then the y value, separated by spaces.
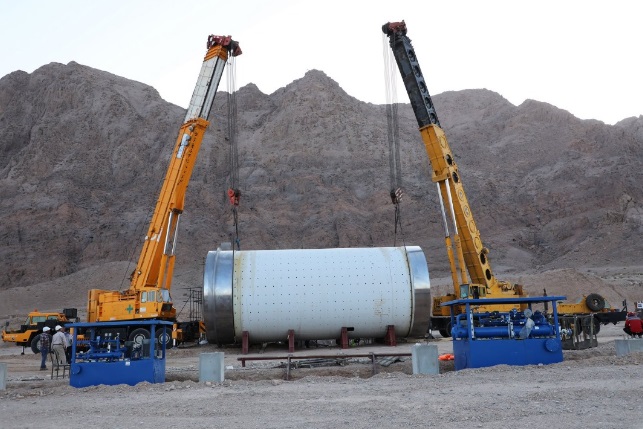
pixel 517 337
pixel 98 357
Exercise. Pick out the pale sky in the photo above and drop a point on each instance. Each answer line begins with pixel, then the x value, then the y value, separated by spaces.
pixel 581 56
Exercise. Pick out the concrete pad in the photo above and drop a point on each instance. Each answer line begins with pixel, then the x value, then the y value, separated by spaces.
pixel 3 376
pixel 425 359
pixel 628 345
pixel 211 367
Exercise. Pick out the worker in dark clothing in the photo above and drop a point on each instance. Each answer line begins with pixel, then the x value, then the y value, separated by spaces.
pixel 68 341
pixel 43 345
pixel 633 325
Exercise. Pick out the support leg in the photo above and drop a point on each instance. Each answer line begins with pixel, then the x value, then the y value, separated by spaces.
pixel 390 336
pixel 245 340
pixel 344 338
pixel 291 340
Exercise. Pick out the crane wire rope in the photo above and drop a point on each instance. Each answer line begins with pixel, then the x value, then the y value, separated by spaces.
pixel 233 192
pixel 393 135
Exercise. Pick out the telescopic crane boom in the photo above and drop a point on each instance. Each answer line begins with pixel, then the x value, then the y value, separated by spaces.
pixel 148 295
pixel 471 257
pixel 156 261
pixel 470 267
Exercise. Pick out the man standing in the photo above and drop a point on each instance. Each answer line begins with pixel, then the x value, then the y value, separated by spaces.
pixel 59 344
pixel 68 341
pixel 43 344
pixel 633 325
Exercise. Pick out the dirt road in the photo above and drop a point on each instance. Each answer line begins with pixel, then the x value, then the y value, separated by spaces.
pixel 590 389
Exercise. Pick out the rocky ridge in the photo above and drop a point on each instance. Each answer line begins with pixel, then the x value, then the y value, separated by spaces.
pixel 84 153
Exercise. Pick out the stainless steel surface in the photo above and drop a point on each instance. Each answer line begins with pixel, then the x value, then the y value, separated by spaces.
pixel 204 92
pixel 421 285
pixel 315 292
pixel 217 297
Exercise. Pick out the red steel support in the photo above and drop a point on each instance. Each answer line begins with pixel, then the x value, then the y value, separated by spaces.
pixel 344 339
pixel 390 336
pixel 291 340
pixel 244 343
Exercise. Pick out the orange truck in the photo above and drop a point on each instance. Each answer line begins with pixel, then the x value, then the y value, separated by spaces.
pixel 28 335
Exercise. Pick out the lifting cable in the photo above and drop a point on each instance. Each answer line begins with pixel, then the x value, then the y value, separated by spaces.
pixel 234 194
pixel 393 135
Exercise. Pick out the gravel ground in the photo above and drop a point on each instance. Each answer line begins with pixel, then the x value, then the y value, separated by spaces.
pixel 591 388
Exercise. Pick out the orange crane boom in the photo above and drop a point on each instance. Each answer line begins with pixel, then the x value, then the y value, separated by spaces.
pixel 148 295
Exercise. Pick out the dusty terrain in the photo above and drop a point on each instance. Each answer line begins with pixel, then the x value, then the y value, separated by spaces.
pixel 590 389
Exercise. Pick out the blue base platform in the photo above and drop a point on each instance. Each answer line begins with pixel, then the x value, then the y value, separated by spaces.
pixel 85 374
pixel 479 353
pixel 110 361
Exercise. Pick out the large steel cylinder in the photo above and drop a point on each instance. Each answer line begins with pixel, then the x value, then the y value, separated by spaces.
pixel 316 293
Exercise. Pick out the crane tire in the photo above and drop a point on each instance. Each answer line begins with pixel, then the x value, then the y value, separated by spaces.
pixel 597 326
pixel 584 327
pixel 168 337
pixel 34 344
pixel 139 334
pixel 446 330
pixel 595 302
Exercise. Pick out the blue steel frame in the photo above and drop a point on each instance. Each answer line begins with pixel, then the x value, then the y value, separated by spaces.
pixel 113 368
pixel 472 352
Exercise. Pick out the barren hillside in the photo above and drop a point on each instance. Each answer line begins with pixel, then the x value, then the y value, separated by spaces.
pixel 558 199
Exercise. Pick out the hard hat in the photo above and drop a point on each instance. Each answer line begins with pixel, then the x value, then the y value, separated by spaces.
pixel 45 329
pixel 58 327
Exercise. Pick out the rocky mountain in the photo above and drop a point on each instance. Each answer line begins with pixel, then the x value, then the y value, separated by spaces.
pixel 84 153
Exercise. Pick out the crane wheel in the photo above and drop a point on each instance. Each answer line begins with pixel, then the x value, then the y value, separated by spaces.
pixel 595 302
pixel 446 331
pixel 34 344
pixel 138 335
pixel 585 326
pixel 164 339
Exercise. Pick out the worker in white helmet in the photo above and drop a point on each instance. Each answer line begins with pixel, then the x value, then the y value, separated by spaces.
pixel 59 344
pixel 43 345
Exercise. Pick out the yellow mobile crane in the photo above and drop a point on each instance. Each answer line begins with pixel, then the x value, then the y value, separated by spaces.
pixel 148 296
pixel 468 259
pixel 467 255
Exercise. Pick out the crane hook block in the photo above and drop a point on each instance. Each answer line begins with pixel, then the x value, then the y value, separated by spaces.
pixel 234 195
